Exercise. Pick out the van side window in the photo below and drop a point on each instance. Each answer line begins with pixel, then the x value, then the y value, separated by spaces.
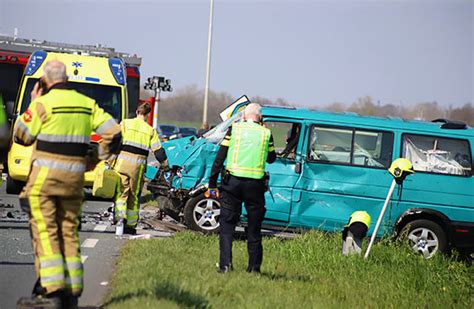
pixel 351 146
pixel 437 154
pixel 285 138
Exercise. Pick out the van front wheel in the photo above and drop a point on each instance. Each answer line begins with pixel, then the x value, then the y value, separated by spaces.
pixel 425 237
pixel 202 214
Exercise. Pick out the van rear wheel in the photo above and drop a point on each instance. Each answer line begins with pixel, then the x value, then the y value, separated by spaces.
pixel 14 186
pixel 425 237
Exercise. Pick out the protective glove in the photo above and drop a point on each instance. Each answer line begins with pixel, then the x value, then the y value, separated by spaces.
pixel 212 193
pixel 165 168
pixel 91 158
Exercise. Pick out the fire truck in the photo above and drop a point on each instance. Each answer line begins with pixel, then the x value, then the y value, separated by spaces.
pixel 15 85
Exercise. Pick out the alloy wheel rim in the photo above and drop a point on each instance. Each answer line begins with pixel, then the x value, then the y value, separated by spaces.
pixel 424 241
pixel 206 214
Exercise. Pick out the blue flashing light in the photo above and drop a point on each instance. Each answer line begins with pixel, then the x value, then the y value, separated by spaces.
pixel 118 70
pixel 36 60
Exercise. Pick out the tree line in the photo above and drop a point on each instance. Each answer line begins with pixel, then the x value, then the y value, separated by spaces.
pixel 186 105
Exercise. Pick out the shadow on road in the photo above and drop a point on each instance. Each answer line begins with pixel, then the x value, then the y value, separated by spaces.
pixel 17 263
pixel 166 291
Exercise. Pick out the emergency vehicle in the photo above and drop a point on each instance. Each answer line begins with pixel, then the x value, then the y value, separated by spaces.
pixel 329 165
pixel 98 72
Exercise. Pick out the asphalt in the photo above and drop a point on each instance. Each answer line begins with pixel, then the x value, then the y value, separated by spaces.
pixel 99 251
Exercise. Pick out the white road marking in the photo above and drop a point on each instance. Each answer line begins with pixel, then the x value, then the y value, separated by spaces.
pixel 100 227
pixel 83 258
pixel 89 243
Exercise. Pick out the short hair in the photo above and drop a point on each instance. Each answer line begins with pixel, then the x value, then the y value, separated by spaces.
pixel 55 71
pixel 144 109
pixel 253 109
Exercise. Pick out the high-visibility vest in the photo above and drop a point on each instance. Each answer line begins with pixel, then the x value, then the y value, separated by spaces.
pixel 62 121
pixel 248 150
pixel 360 216
pixel 138 137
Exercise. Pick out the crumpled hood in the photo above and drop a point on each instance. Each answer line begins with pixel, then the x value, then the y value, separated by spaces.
pixel 194 156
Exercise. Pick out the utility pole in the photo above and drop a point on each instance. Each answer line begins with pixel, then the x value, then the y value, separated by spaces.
pixel 157 84
pixel 208 70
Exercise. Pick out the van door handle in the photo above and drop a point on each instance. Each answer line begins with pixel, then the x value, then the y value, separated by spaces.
pixel 298 166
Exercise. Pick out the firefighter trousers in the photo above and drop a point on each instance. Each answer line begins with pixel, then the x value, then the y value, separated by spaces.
pixel 251 192
pixel 128 191
pixel 54 221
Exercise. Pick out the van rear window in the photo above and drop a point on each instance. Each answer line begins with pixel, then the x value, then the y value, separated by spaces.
pixel 438 155
pixel 350 146
pixel 108 97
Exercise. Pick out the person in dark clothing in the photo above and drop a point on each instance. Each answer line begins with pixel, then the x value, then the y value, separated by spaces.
pixel 246 147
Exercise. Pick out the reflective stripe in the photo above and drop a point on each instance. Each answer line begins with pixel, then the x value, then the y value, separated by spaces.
pixel 155 145
pixel 51 269
pixel 24 129
pixel 138 145
pixel 73 263
pixel 64 138
pixel 76 167
pixel 105 126
pixel 132 159
pixel 76 282
pixel 51 263
pixel 132 213
pixel 120 207
pixel 36 211
pixel 52 279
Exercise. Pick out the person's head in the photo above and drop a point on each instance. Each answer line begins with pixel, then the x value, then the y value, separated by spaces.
pixel 253 111
pixel 54 72
pixel 143 110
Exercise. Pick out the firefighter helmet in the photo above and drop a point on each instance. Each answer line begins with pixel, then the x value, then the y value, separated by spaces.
pixel 400 168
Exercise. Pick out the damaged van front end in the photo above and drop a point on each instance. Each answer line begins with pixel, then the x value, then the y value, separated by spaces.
pixel 180 192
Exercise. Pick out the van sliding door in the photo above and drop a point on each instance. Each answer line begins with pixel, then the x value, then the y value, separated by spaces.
pixel 345 170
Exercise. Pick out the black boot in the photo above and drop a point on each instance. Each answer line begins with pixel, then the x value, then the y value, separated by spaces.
pixel 70 301
pixel 52 301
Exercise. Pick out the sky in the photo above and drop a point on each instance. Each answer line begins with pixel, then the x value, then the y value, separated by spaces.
pixel 308 52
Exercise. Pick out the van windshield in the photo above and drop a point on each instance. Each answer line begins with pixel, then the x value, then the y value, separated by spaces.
pixel 108 97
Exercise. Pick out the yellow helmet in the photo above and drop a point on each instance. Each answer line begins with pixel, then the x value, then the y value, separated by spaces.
pixel 400 168
pixel 360 216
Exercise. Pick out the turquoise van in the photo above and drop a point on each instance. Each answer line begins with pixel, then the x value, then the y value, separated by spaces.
pixel 330 165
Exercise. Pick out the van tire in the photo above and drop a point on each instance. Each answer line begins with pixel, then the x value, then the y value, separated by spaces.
pixel 201 214
pixel 425 237
pixel 14 186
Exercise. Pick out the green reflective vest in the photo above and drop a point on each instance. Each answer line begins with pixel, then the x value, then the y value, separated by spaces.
pixel 139 137
pixel 248 150
pixel 62 121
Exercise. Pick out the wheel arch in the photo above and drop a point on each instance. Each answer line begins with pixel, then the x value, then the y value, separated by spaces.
pixel 423 213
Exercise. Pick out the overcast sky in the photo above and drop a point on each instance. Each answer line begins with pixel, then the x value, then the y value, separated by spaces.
pixel 308 52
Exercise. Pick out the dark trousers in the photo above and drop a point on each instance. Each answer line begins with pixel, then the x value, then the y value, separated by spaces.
pixel 251 192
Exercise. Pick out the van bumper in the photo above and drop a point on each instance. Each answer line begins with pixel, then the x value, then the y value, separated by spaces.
pixel 462 235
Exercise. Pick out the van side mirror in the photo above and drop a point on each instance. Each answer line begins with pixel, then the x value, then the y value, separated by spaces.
pixel 10 109
pixel 298 167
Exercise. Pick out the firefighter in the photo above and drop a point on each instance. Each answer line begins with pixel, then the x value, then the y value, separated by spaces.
pixel 246 147
pixel 138 139
pixel 354 232
pixel 60 121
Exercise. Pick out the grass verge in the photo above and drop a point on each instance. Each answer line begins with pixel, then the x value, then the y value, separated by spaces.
pixel 306 272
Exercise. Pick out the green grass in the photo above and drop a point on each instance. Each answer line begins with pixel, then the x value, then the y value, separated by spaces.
pixel 305 272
